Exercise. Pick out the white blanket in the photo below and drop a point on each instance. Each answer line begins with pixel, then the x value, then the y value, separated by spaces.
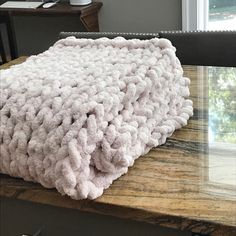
pixel 77 116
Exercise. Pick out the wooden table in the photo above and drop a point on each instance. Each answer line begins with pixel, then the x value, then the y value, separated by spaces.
pixel 88 15
pixel 189 183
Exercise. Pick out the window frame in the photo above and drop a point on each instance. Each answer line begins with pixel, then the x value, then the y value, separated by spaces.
pixel 195 15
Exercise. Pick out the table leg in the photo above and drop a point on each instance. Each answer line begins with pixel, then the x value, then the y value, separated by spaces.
pixel 11 37
pixel 90 20
pixel 2 51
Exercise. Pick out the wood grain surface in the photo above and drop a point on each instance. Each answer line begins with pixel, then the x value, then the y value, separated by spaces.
pixel 189 183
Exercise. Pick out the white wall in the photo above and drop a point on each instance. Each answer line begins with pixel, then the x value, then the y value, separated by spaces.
pixel 140 15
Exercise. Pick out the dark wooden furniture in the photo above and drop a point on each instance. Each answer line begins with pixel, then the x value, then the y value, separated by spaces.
pixel 175 185
pixel 88 16
pixel 2 51
pixel 11 38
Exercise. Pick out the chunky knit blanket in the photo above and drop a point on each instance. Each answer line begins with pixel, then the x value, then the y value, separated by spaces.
pixel 77 116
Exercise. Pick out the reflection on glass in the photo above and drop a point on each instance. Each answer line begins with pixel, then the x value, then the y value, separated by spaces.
pixel 222 105
pixel 222 125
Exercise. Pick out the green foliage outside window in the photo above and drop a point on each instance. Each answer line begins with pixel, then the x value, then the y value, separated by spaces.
pixel 222 104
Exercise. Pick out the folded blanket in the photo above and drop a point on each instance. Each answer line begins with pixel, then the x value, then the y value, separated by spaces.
pixel 77 116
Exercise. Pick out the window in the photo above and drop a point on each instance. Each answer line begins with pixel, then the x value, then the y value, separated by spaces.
pixel 209 15
pixel 222 15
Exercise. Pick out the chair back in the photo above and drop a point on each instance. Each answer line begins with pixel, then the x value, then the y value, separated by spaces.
pixel 95 35
pixel 207 48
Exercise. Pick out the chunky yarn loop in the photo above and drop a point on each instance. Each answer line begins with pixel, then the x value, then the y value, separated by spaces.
pixel 77 116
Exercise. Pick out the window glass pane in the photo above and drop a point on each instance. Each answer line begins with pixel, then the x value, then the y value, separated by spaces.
pixel 222 15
